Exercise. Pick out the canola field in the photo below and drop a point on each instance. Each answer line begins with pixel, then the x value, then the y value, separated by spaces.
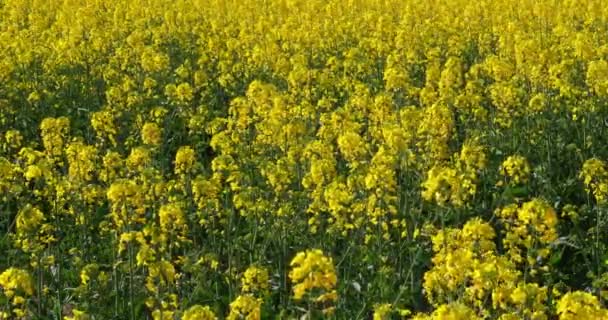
pixel 303 159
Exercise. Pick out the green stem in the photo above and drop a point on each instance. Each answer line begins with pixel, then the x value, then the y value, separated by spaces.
pixel 131 305
pixel 115 276
pixel 39 289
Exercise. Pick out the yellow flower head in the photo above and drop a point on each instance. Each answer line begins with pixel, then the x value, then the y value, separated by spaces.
pixel 29 219
pixel 138 159
pixel 112 166
pixel 382 311
pixel 245 307
pixel 32 172
pixel 352 146
pixel 185 159
pixel 151 134
pixel 14 280
pixel 452 311
pixel 54 131
pixel 595 177
pixel 103 124
pixel 255 280
pixel 473 156
pixel 530 228
pixel 171 217
pixel 516 168
pixel 81 160
pixel 311 269
pixel 14 139
pixel 184 92
pixel 446 185
pixel 198 312
pixel 154 61
pixel 579 305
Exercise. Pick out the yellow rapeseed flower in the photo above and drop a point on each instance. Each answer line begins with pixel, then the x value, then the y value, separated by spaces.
pixel 198 312
pixel 311 269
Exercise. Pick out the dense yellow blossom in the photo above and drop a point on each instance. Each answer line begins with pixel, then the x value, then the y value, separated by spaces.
pixel 185 159
pixel 29 219
pixel 53 132
pixel 198 312
pixel 245 307
pixel 14 281
pixel 452 311
pixel 466 259
pixel 103 124
pixel 530 230
pixel 310 270
pixel 81 160
pixel 595 178
pixel 138 159
pixel 171 218
pixel 255 281
pixel 352 147
pixel 382 311
pixel 14 138
pixel 580 305
pixel 151 134
pixel 516 169
pixel 447 186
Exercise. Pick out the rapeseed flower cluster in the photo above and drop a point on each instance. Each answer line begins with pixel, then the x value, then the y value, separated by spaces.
pixel 515 169
pixel 17 286
pixel 580 305
pixel 255 280
pixel 530 231
pixel 595 178
pixel 198 312
pixel 313 271
pixel 245 307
